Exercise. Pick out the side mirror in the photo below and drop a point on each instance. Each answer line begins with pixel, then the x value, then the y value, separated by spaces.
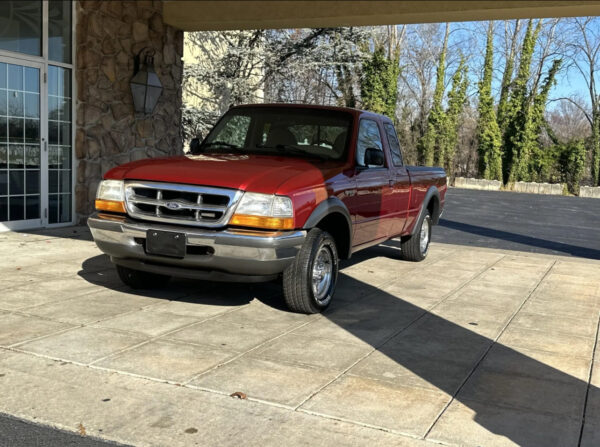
pixel 195 146
pixel 374 157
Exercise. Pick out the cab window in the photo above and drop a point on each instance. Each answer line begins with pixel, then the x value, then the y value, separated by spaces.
pixel 394 144
pixel 235 132
pixel 368 136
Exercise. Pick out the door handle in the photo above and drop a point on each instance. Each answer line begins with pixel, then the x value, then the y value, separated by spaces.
pixel 392 182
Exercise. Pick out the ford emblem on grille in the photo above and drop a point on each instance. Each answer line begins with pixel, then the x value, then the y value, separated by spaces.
pixel 173 205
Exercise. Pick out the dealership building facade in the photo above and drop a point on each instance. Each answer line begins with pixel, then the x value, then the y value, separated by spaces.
pixel 67 113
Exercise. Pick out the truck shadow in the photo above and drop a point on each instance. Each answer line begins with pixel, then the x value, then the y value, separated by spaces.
pixel 504 391
pixel 99 271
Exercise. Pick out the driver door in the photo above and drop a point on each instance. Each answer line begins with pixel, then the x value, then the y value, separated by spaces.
pixel 369 210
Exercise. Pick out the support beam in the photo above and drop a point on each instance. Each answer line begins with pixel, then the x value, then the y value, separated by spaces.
pixel 252 14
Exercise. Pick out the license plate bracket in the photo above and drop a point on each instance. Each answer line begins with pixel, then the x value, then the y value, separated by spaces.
pixel 165 243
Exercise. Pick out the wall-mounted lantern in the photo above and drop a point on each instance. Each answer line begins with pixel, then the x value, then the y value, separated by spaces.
pixel 145 85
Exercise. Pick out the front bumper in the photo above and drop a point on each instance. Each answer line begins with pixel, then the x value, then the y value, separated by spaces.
pixel 218 255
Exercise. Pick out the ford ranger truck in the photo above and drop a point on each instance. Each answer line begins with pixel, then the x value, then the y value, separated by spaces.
pixel 272 191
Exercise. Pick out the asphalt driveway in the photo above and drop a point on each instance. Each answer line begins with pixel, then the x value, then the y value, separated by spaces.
pixel 566 226
pixel 474 346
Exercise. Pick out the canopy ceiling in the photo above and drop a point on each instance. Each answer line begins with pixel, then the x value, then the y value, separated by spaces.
pixel 253 14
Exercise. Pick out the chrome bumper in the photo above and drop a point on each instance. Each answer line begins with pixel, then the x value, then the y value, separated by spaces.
pixel 231 255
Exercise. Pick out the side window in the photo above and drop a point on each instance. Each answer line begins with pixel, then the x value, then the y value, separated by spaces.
pixel 368 136
pixel 392 138
pixel 234 131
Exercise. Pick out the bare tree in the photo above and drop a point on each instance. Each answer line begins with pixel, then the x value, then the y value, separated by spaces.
pixel 583 51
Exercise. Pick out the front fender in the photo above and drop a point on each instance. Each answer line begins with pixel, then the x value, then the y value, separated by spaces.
pixel 326 207
pixel 329 207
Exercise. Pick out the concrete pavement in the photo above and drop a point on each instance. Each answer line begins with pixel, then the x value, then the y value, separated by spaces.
pixel 471 347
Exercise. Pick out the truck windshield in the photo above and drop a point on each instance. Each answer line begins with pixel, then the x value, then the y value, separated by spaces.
pixel 309 133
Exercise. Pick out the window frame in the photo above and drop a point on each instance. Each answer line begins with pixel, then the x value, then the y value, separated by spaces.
pixel 385 124
pixel 386 163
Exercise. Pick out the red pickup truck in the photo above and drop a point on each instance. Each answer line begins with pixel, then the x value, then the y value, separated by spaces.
pixel 272 190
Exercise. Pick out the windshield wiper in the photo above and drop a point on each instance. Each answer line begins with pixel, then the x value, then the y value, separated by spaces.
pixel 291 149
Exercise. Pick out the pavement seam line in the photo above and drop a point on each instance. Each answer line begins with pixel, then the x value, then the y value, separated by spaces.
pixel 42 317
pixel 156 337
pixel 426 311
pixel 165 334
pixel 589 384
pixel 260 345
pixel 73 325
pixel 41 337
pixel 374 427
pixel 90 292
pixel 379 286
pixel 489 348
pixel 309 322
pixel 222 394
pixel 320 316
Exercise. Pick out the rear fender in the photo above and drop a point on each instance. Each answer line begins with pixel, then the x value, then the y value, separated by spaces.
pixel 432 194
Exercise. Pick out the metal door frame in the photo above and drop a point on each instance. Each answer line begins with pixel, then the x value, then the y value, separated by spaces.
pixel 43 62
pixel 43 220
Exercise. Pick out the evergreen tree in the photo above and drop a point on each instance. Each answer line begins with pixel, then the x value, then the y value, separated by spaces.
pixel 435 122
pixel 595 147
pixel 507 78
pixel 379 83
pixel 528 163
pixel 488 131
pixel 518 109
pixel 457 97
pixel 526 115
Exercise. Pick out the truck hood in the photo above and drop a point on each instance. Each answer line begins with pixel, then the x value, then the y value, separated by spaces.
pixel 256 173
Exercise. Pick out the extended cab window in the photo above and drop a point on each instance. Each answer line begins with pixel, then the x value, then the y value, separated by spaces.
pixel 394 144
pixel 368 136
pixel 294 132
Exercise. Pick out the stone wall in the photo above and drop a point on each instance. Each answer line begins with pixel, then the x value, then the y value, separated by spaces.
pixel 555 189
pixel 477 183
pixel 109 133
pixel 590 191
pixel 495 185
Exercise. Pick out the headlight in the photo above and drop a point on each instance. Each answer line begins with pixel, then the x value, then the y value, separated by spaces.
pixel 264 211
pixel 110 196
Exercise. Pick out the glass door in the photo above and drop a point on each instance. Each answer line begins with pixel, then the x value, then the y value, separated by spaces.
pixel 23 190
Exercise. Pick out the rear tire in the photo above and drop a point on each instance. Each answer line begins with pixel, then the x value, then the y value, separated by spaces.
pixel 309 282
pixel 137 279
pixel 416 247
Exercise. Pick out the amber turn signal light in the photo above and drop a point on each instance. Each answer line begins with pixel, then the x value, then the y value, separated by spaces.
pixel 110 205
pixel 268 223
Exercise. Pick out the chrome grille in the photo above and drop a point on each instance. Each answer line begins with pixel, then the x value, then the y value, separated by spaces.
pixel 181 204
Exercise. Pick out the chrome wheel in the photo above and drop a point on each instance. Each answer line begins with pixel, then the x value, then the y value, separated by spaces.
pixel 322 275
pixel 424 236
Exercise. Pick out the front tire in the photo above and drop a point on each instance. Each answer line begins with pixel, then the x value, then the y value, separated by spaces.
pixel 137 279
pixel 416 247
pixel 309 282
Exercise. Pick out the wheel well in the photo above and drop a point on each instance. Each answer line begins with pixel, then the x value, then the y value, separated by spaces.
pixel 337 226
pixel 434 208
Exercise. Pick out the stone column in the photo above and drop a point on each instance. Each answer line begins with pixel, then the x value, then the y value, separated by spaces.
pixel 109 132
